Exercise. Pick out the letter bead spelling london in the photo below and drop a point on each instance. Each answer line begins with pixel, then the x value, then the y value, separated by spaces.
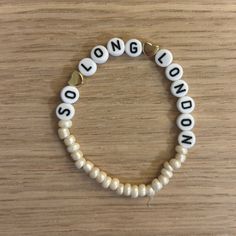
pixel 179 89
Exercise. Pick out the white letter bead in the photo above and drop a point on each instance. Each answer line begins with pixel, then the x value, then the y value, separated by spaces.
pixel 185 104
pixel 99 54
pixel 134 191
pixel 69 94
pixel 174 72
pixel 65 111
pixel 87 67
pixel 142 190
pixel 185 122
pixel 133 48
pixel 179 88
pixel 116 47
pixel 163 58
pixel 187 139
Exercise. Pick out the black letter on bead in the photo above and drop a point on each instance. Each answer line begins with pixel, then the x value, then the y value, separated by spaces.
pixel 179 88
pixel 186 122
pixel 159 59
pixel 70 94
pixel 61 111
pixel 186 104
pixel 133 49
pixel 187 139
pixel 114 46
pixel 175 71
pixel 100 54
pixel 87 69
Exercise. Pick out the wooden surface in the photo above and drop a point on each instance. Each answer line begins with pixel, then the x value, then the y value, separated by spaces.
pixel 125 119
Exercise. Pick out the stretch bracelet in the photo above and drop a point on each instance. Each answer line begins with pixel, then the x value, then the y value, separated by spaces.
pixel 65 111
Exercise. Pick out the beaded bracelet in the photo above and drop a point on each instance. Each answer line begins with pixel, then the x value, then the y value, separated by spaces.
pixel 179 88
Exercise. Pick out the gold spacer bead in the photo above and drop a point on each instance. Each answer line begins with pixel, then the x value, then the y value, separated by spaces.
pixel 76 79
pixel 150 49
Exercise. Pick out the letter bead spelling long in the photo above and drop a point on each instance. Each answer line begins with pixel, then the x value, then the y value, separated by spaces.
pixel 179 88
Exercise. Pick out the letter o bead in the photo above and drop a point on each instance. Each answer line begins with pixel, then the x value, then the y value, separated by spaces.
pixel 185 122
pixel 179 88
pixel 87 67
pixel 99 54
pixel 163 58
pixel 69 94
pixel 174 72
pixel 65 111
pixel 116 47
pixel 133 48
pixel 187 139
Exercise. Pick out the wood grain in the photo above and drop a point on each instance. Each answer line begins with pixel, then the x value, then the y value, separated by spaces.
pixel 125 118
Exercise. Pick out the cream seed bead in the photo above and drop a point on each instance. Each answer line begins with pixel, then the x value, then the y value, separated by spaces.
pixel 156 185
pixel 69 94
pixel 185 104
pixel 116 47
pixel 150 191
pixel 88 167
pixel 120 189
pixel 163 179
pixel 168 166
pixel 127 189
pixel 142 190
pixel 94 173
pixel 65 111
pixel 185 122
pixel 73 148
pixel 63 133
pixel 107 181
pixel 133 48
pixel 180 149
pixel 180 157
pixel 179 88
pixel 174 72
pixel 134 191
pixel 99 54
pixel 187 139
pixel 166 173
pixel 101 176
pixel 163 58
pixel 114 184
pixel 76 155
pixel 80 163
pixel 87 67
pixel 69 140
pixel 65 123
pixel 175 164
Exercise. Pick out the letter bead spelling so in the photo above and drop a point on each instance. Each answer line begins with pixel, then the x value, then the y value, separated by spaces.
pixel 179 89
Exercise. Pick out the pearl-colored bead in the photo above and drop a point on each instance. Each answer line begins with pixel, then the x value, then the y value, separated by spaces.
pixel 156 185
pixel 73 148
pixel 168 166
pixel 163 180
pixel 114 184
pixel 94 173
pixel 107 181
pixel 120 189
pixel 166 173
pixel 150 191
pixel 88 166
pixel 76 155
pixel 80 163
pixel 180 157
pixel 134 191
pixel 127 189
pixel 63 133
pixel 101 176
pixel 142 190
pixel 65 123
pixel 69 140
pixel 175 164
pixel 180 149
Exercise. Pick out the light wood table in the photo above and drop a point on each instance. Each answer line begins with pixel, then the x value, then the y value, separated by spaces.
pixel 125 119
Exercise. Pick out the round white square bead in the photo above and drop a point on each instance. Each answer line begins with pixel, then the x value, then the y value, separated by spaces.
pixel 133 48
